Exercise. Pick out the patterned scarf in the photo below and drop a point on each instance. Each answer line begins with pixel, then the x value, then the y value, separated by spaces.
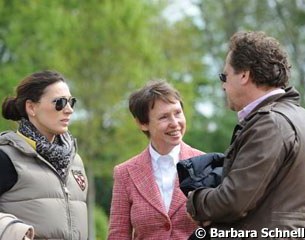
pixel 58 153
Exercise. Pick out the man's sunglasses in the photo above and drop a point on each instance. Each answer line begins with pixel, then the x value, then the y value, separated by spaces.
pixel 61 103
pixel 223 77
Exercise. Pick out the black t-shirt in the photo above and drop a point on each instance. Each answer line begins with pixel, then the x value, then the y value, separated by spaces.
pixel 8 174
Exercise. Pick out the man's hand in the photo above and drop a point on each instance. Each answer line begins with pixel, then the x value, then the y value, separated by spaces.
pixel 202 224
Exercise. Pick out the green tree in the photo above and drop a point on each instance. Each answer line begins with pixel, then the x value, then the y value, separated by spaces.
pixel 107 49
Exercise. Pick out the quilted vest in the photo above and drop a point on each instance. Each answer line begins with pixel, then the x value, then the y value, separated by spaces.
pixel 56 209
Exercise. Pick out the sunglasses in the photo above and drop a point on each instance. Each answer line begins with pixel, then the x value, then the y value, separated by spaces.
pixel 223 77
pixel 61 103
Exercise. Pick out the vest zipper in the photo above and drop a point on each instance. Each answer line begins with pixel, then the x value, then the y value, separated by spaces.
pixel 66 194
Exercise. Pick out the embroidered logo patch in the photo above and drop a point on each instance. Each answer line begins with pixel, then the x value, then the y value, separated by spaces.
pixel 80 179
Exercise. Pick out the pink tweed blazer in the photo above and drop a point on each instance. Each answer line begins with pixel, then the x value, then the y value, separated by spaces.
pixel 137 211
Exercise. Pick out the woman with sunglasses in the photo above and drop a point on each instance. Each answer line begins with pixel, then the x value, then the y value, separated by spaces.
pixel 43 185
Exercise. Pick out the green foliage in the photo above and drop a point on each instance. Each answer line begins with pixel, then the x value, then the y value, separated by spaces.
pixel 211 134
pixel 101 224
pixel 103 188
pixel 106 49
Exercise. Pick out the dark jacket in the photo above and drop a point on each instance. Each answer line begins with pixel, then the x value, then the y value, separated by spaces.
pixel 264 181
pixel 202 171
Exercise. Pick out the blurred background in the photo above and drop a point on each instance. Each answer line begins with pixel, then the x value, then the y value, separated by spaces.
pixel 108 48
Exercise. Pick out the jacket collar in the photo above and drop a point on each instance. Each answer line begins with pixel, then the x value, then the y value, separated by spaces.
pixel 14 139
pixel 143 178
pixel 291 94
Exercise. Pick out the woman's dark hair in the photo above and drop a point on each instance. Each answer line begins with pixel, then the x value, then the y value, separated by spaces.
pixel 30 88
pixel 262 56
pixel 142 100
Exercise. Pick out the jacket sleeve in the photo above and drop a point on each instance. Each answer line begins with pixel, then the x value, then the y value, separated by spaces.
pixel 119 223
pixel 262 149
pixel 14 229
pixel 7 172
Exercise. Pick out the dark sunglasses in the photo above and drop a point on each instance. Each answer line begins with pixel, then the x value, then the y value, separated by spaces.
pixel 223 77
pixel 61 103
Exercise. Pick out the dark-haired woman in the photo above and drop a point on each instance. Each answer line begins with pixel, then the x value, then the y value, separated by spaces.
pixel 43 185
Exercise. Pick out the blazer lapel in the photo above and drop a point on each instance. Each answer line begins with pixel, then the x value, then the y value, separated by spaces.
pixel 178 198
pixel 142 175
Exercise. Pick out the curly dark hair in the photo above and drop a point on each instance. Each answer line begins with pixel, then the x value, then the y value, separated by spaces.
pixel 262 55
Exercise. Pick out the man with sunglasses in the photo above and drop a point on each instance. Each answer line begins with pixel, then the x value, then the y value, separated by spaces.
pixel 43 185
pixel 262 191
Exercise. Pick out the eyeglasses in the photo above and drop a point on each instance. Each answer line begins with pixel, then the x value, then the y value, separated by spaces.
pixel 223 77
pixel 61 103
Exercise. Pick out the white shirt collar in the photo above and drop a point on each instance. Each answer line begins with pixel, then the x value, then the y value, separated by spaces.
pixel 165 172
pixel 174 153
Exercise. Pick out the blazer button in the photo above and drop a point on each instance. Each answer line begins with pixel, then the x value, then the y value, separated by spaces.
pixel 167 226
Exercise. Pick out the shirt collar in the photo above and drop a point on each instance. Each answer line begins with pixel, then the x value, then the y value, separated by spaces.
pixel 247 109
pixel 174 153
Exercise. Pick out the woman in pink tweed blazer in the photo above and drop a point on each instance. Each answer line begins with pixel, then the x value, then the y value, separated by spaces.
pixel 147 202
